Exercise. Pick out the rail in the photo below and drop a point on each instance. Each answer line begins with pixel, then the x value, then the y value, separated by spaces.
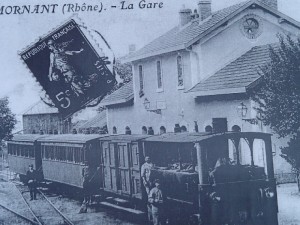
pixel 40 218
pixel 19 215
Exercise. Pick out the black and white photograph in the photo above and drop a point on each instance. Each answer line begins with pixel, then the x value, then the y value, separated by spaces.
pixel 150 112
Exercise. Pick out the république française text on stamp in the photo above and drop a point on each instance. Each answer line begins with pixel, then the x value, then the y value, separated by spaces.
pixel 69 69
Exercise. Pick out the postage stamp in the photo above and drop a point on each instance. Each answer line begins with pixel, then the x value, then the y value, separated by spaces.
pixel 69 69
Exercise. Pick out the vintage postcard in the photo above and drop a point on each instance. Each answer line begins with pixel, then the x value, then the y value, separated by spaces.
pixel 150 112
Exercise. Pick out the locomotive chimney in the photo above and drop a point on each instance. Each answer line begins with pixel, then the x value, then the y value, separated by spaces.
pixel 204 9
pixel 219 125
pixel 185 16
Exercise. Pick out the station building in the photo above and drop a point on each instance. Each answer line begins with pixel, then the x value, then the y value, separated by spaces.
pixel 201 70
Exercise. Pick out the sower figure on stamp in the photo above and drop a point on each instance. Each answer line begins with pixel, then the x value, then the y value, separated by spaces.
pixel 32 182
pixel 59 62
pixel 155 198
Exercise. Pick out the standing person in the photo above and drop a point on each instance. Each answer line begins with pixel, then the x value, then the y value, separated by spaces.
pixel 155 198
pixel 86 175
pixel 146 174
pixel 32 182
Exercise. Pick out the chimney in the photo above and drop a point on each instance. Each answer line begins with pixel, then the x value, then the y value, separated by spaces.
pixel 271 3
pixel 204 9
pixel 185 16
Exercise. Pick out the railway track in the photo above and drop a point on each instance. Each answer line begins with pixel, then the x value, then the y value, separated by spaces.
pixel 14 217
pixel 45 213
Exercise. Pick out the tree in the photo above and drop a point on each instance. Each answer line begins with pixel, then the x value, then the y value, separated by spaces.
pixel 278 95
pixel 7 120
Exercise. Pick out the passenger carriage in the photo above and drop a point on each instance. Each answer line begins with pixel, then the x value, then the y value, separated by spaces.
pixel 24 150
pixel 64 156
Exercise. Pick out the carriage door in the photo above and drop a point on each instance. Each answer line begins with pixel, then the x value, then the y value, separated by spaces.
pixel 123 169
pixel 109 163
pixel 135 171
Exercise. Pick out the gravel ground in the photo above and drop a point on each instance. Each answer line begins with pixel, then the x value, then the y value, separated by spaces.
pixel 289 204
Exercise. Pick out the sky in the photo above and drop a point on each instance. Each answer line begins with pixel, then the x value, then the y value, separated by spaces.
pixel 119 27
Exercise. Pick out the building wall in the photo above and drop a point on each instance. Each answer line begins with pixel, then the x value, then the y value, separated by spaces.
pixel 213 53
pixel 46 123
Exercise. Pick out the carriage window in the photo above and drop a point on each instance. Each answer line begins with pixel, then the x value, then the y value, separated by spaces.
pixel 26 150
pixel 82 155
pixel 135 155
pixel 31 152
pixel 20 151
pixel 69 154
pixel 51 152
pixel 14 149
pixel 77 155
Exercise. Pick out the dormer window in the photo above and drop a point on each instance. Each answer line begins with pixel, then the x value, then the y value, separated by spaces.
pixel 159 76
pixel 180 82
pixel 141 79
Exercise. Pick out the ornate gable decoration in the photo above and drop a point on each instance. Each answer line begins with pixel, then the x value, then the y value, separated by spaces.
pixel 251 26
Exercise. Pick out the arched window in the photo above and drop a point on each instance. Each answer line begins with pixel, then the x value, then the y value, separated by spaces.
pixel 208 129
pixel 183 129
pixel 127 130
pixel 114 130
pixel 162 130
pixel 179 71
pixel 150 131
pixel 144 130
pixel 236 128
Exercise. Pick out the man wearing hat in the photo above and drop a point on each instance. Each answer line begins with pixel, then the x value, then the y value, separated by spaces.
pixel 32 182
pixel 155 198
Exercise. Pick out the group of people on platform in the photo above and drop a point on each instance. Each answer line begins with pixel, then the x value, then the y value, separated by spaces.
pixel 154 193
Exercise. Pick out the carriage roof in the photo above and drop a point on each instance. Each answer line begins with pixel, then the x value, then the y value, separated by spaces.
pixel 71 138
pixel 125 137
pixel 198 137
pixel 27 137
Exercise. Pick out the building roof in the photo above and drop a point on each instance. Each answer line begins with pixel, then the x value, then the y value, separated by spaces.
pixel 40 108
pixel 70 138
pixel 187 137
pixel 98 121
pixel 121 95
pixel 27 137
pixel 236 76
pixel 125 137
pixel 180 38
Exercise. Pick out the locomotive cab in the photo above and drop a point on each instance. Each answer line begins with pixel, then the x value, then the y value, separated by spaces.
pixel 215 178
pixel 238 188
